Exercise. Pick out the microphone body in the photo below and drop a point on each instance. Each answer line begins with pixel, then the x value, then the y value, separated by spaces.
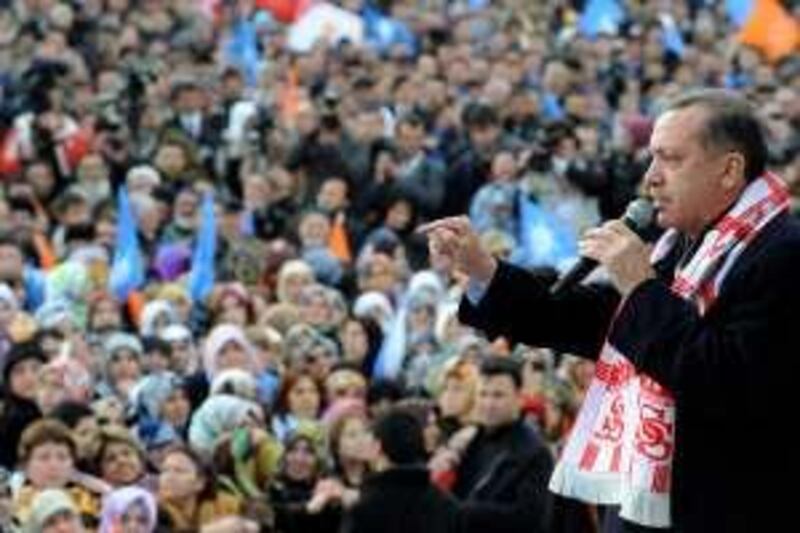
pixel 639 217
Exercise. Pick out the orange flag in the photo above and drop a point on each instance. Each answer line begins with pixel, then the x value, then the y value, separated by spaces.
pixel 135 303
pixel 771 29
pixel 338 242
pixel 47 257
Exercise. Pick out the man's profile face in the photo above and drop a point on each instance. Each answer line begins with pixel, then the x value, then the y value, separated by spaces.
pixel 687 179
pixel 410 138
pixel 498 401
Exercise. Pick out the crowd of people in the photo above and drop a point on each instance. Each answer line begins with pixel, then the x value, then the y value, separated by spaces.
pixel 216 313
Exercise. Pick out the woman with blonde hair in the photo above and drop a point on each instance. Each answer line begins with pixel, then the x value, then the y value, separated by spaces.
pixel 457 394
pixel 293 276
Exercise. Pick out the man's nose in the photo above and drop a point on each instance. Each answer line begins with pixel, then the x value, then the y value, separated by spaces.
pixel 652 176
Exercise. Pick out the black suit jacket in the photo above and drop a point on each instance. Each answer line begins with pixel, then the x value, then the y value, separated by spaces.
pixel 502 482
pixel 402 500
pixel 732 371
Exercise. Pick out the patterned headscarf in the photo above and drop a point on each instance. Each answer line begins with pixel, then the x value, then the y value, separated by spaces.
pixel 117 503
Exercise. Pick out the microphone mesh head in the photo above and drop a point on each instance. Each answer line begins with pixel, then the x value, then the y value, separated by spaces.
pixel 640 214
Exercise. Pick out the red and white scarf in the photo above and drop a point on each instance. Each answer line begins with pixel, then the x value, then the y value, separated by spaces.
pixel 621 448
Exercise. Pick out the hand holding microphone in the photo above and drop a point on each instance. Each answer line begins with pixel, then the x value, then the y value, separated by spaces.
pixel 620 246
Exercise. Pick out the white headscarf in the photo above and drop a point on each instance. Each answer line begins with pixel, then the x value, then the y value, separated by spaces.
pixel 217 339
pixel 217 416
pixel 152 312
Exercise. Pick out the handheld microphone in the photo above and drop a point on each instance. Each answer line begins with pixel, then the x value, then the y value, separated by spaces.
pixel 639 216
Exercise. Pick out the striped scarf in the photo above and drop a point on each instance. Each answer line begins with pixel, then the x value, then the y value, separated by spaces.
pixel 621 449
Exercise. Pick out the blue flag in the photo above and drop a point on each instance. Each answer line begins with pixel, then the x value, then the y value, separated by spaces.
pixel 127 269
pixel 671 36
pixel 241 50
pixel 738 11
pixel 544 240
pixel 383 33
pixel 601 16
pixel 477 5
pixel 201 276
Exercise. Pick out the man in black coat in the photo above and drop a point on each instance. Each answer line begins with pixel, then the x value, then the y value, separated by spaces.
pixel 502 475
pixel 731 368
pixel 400 498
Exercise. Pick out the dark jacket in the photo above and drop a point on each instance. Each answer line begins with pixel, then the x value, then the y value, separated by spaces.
pixel 16 414
pixel 502 481
pixel 731 371
pixel 402 500
pixel 289 500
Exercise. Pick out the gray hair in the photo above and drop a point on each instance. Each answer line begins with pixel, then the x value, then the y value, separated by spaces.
pixel 731 124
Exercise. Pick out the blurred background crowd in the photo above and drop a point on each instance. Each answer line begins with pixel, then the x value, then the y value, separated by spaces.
pixel 213 301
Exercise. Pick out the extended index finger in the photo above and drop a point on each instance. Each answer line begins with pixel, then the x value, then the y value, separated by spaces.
pixel 458 225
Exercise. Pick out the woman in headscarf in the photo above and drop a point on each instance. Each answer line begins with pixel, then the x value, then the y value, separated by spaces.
pixel 184 359
pixel 302 465
pixel 53 511
pixel 322 307
pixel 70 284
pixel 376 306
pixel 177 295
pixel 123 365
pixel 218 416
pixel 187 496
pixel 162 409
pixel 128 510
pixel 19 407
pixel 226 348
pixel 156 316
pixel 246 461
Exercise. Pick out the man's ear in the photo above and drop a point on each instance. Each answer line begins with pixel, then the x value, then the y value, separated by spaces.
pixel 734 170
